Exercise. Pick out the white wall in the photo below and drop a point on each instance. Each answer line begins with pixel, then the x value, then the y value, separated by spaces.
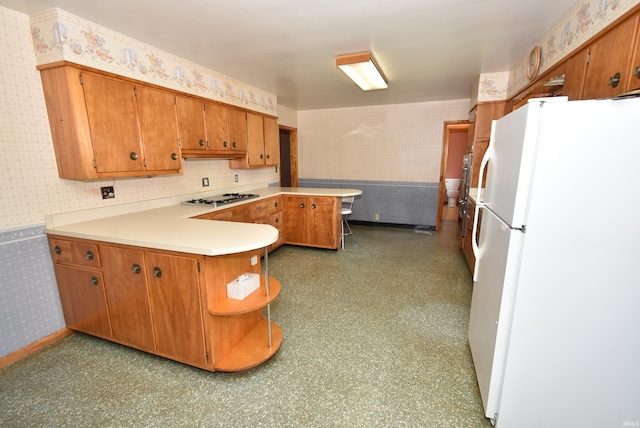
pixel 400 142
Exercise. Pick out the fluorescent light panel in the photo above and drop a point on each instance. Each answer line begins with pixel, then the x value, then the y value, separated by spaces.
pixel 363 70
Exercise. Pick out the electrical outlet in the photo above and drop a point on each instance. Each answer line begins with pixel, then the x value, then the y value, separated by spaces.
pixel 236 178
pixel 107 192
pixel 377 217
pixel 205 182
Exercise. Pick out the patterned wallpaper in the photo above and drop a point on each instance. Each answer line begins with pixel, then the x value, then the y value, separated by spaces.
pixel 399 143
pixel 582 21
pixel 59 35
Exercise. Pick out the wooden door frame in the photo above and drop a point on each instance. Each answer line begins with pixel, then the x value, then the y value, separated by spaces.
pixel 448 127
pixel 293 153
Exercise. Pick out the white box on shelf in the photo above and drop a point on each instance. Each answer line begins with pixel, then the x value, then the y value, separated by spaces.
pixel 243 285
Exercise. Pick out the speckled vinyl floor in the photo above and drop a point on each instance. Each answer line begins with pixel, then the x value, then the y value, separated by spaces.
pixel 374 336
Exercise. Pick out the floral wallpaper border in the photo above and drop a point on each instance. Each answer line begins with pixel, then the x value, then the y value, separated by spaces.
pixel 585 19
pixel 60 36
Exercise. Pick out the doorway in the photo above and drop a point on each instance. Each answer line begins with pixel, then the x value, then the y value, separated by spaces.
pixel 454 147
pixel 288 157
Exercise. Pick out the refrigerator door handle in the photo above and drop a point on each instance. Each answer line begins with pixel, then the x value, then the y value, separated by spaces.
pixel 474 242
pixel 483 164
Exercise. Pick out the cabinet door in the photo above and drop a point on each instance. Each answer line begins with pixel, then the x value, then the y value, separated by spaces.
pixel 83 300
pixel 113 119
pixel 126 289
pixel 609 62
pixel 323 222
pixel 634 79
pixel 191 123
pixel 159 129
pixel 238 130
pixel 575 71
pixel 296 220
pixel 255 135
pixel 271 141
pixel 174 292
pixel 217 120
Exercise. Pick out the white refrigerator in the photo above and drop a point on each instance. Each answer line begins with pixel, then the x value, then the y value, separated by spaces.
pixel 554 326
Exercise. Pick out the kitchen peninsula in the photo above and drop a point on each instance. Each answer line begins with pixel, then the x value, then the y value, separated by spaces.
pixel 153 275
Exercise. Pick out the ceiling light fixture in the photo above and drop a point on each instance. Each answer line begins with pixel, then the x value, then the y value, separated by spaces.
pixel 363 70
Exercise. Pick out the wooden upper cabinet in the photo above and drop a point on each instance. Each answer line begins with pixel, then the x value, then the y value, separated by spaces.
pixel 191 124
pixel 217 124
pixel 159 129
pixel 574 75
pixel 255 134
pixel 238 130
pixel 98 125
pixel 113 120
pixel 634 74
pixel 609 61
pixel 271 141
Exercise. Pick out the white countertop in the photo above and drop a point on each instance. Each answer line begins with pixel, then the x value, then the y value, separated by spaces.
pixel 165 224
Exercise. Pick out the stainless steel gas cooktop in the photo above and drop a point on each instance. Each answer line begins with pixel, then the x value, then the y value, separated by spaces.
pixel 216 201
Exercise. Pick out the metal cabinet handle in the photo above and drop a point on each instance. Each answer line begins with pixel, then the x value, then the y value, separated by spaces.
pixel 136 268
pixel 614 80
pixel 261 156
pixel 94 281
pixel 133 156
pixel 89 255
pixel 225 144
pixel 234 145
pixel 157 272
pixel 268 156
pixel 301 205
pixel 313 206
pixel 174 156
pixel 636 71
pixel 57 250
pixel 202 143
pixel 277 220
pixel 276 205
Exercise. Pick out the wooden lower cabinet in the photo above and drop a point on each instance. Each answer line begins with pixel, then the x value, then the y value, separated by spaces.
pixel 170 304
pixel 312 221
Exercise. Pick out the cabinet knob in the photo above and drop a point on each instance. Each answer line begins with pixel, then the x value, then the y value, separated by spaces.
pixel 174 156
pixel 277 220
pixel 261 156
pixel 57 250
pixel 268 156
pixel 636 71
pixel 614 80
pixel 313 206
pixel 133 156
pixel 157 272
pixel 136 268
pixel 225 144
pixel 94 281
pixel 234 145
pixel 202 143
pixel 276 205
pixel 89 255
pixel 301 205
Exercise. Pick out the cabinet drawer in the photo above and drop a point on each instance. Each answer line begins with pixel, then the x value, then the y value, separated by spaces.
pixel 275 204
pixel 78 253
pixel 260 210
pixel 275 220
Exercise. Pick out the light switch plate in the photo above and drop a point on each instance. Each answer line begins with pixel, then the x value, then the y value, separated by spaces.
pixel 205 182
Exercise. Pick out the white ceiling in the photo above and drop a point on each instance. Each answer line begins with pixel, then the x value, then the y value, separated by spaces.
pixel 429 49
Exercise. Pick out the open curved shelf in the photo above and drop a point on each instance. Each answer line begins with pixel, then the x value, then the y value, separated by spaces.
pixel 256 300
pixel 253 349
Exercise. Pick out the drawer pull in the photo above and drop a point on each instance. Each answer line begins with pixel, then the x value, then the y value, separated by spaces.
pixel 89 255
pixel 136 268
pixel 157 272
pixel 234 145
pixel 301 205
pixel 636 71
pixel 133 156
pixel 94 281
pixel 202 143
pixel 57 250
pixel 225 144
pixel 614 80
pixel 313 206
pixel 174 156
